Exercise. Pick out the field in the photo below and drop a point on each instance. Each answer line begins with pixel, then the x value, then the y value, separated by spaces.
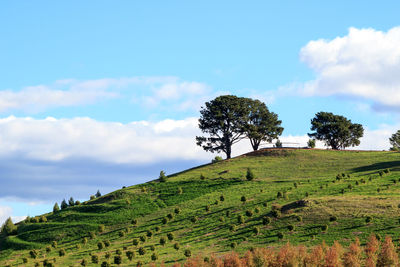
pixel 303 196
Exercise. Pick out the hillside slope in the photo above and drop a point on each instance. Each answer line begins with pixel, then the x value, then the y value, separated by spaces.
pixel 308 196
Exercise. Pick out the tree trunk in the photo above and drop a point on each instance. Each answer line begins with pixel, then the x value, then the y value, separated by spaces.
pixel 228 151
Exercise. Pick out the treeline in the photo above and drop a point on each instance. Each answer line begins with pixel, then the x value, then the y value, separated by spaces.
pixel 374 254
pixel 228 119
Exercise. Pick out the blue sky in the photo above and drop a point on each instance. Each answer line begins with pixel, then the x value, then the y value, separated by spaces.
pixel 101 94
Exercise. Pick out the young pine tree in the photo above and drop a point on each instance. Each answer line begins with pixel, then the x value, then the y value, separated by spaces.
pixel 64 204
pixel 56 208
pixel 8 227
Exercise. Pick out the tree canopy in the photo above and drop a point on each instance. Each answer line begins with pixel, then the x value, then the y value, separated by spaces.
pixel 8 227
pixel 336 131
pixel 228 119
pixel 222 119
pixel 395 141
pixel 261 124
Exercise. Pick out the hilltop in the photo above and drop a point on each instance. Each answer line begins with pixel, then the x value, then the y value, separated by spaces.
pixel 308 196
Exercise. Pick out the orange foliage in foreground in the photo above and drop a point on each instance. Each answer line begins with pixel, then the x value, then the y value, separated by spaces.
pixel 374 254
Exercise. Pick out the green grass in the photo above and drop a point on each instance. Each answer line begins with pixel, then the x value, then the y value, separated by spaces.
pixel 306 179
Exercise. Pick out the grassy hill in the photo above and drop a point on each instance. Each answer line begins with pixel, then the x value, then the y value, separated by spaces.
pixel 308 195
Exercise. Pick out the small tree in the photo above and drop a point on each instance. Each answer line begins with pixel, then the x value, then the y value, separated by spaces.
pixel 188 253
pixel 162 178
pixel 98 194
pixel 311 143
pixel 142 251
pixel 249 175
pixel 117 259
pixel 243 199
pixel 170 236
pixel 56 208
pixel 395 141
pixel 64 204
pixel 95 259
pixel 71 201
pixel 154 257
pixel 278 144
pixel 8 227
pixel 130 254
pixel 176 246
pixel 163 240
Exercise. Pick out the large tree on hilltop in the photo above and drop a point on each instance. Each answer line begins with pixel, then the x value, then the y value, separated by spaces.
pixel 222 119
pixel 261 124
pixel 336 131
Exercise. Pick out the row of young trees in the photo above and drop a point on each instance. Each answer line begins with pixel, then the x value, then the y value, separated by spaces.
pixel 228 119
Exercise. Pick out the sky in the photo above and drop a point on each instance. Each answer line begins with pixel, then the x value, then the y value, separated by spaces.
pixel 96 95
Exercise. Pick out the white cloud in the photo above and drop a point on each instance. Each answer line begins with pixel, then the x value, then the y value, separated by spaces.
pixel 6 212
pixel 364 64
pixel 150 91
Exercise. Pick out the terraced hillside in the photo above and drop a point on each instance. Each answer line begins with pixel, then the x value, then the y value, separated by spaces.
pixel 297 195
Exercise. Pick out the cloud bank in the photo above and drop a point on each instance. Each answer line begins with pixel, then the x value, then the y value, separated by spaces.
pixel 364 64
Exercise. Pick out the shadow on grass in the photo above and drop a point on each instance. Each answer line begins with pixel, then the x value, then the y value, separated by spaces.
pixel 374 168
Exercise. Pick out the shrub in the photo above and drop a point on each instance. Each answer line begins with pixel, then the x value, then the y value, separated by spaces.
pixel 290 227
pixel 25 260
pixel 278 144
pixel 149 233
pixel 232 228
pixel 134 222
pixel 243 199
pixel 202 177
pixel 276 213
pixel 78 246
pixel 105 264
pixel 139 264
pixel 142 238
pixel 118 252
pixel 163 240
pixel 256 230
pixel 121 233
pixel 77 203
pixel 299 218
pixel 324 227
pixel 216 202
pixel 100 245
pixel 33 253
pixel 135 242
pixel 84 262
pixel 386 171
pixel 164 220
pixel 107 255
pixel 107 243
pixel 368 219
pixel 193 219
pixel 154 257
pixel 95 259
pixel 280 235
pixel 221 219
pixel 170 236
pixel 266 220
pixel 257 210
pixel 207 208
pixel 84 240
pixel 48 249
pixel 130 254
pixel 388 255
pixel 228 213
pixel 101 228
pixel 117 259
pixel 222 198
pixel 217 159
pixel 240 219
pixel 279 194
pixel 176 246
pixel 170 216
pixel 142 251
pixel 311 143
pixel 233 245
pixel 54 244
pixel 350 186
pixel 249 213
pixel 295 185
pixel 157 229
pixel 187 253
pixel 307 194
pixel 91 197
pixel 265 204
pixel 250 175
pixel 162 178
pixel 61 252
pixel 332 218
pixel 92 235
pixel 152 248
pixel 177 210
pixel 180 191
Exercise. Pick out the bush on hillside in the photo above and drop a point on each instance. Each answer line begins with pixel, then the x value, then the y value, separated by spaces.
pixel 187 253
pixel 142 251
pixel 217 159
pixel 154 257
pixel 266 220
pixel 130 254
pixel 240 219
pixel 162 178
pixel 250 175
pixel 117 259
pixel 243 199
pixel 176 246
pixel 170 236
pixel 95 259
pixel 163 240
pixel 177 210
